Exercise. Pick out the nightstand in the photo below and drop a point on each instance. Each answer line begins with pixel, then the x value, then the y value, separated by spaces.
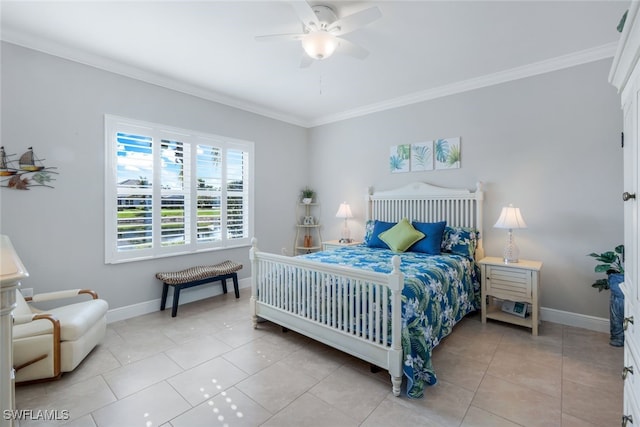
pixel 518 282
pixel 330 245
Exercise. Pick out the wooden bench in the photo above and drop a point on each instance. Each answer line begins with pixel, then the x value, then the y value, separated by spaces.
pixel 195 276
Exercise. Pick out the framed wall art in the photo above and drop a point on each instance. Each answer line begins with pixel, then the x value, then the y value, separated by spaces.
pixel 447 153
pixel 399 158
pixel 422 156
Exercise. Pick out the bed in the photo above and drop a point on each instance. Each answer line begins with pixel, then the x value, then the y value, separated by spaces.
pixel 386 307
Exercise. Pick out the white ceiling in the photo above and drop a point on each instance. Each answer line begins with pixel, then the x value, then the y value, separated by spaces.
pixel 419 49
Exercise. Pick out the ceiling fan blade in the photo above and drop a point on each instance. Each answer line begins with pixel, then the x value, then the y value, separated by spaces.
pixel 279 37
pixel 354 21
pixel 305 13
pixel 306 61
pixel 352 49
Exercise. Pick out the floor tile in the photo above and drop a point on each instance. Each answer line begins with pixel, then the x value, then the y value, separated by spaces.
pixel 599 406
pixel 392 412
pixel 543 378
pixel 79 399
pixel 141 374
pixel 229 408
pixel 443 403
pixel 276 386
pixel 311 411
pixel 150 407
pixel 351 392
pixel 454 368
pixel 206 380
pixel 196 351
pixel 477 417
pixel 517 403
pixel 257 355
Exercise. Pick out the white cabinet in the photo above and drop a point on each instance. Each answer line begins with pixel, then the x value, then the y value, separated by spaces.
pixel 625 75
pixel 330 245
pixel 308 237
pixel 517 282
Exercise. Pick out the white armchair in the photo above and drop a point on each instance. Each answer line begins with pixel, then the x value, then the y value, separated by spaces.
pixel 48 343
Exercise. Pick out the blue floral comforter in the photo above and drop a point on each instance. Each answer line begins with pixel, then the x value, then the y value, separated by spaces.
pixel 439 290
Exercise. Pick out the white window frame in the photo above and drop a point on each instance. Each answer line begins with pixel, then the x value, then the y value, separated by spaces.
pixel 115 124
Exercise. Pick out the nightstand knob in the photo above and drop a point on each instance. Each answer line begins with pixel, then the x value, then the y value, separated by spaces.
pixel 626 371
pixel 626 322
pixel 626 419
pixel 627 196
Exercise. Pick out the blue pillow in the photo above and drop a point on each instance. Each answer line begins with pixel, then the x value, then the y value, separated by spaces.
pixel 379 227
pixel 368 231
pixel 460 240
pixel 433 237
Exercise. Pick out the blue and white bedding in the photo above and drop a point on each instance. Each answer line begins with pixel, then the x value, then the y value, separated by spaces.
pixel 439 290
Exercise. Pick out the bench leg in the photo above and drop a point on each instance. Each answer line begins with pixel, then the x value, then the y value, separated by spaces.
pixel 176 297
pixel 163 302
pixel 224 285
pixel 235 285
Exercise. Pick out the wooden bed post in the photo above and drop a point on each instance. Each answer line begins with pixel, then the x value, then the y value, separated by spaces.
pixel 254 281
pixel 396 283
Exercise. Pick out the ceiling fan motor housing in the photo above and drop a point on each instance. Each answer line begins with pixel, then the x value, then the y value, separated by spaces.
pixel 326 16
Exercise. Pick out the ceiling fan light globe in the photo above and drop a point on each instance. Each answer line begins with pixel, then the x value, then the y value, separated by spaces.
pixel 319 44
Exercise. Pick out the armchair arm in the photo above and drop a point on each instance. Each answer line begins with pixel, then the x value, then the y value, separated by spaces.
pixel 19 319
pixel 50 296
pixel 56 341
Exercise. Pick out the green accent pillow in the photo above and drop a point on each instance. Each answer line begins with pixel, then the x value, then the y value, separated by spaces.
pixel 401 236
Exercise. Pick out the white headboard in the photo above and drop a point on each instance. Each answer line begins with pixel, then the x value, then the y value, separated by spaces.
pixel 427 203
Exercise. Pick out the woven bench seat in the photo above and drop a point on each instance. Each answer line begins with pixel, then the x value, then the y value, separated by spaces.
pixel 195 276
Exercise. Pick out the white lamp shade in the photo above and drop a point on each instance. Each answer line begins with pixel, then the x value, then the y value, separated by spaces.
pixel 510 218
pixel 319 44
pixel 344 211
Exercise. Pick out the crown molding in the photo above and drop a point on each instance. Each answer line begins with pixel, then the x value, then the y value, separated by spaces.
pixel 553 64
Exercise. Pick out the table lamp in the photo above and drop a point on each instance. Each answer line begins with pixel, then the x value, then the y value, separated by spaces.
pixel 510 218
pixel 344 211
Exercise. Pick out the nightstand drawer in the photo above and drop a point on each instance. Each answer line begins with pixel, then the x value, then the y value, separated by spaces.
pixel 514 284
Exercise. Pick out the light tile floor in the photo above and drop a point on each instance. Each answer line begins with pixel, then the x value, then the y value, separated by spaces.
pixel 209 367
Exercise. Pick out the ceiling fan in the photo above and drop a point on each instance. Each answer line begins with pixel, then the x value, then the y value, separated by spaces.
pixel 321 31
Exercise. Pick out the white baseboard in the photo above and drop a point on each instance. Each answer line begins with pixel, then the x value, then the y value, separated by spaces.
pixel 194 294
pixel 186 296
pixel 593 323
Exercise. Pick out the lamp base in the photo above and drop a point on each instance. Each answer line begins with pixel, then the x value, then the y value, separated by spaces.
pixel 511 251
pixel 345 236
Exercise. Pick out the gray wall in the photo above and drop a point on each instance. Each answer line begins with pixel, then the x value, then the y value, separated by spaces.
pixel 549 144
pixel 58 106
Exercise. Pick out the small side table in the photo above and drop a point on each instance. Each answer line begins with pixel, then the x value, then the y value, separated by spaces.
pixel 330 245
pixel 518 282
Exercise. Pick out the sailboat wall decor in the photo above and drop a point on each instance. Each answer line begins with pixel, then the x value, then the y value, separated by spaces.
pixel 31 172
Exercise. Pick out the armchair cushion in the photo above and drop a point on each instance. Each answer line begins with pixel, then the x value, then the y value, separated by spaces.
pixel 76 319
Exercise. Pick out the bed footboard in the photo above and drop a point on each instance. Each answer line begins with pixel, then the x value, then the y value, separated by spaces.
pixel 355 311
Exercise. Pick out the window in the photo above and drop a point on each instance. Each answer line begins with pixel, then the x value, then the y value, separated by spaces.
pixel 173 191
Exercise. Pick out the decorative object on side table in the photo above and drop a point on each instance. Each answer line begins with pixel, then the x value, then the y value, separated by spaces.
pixel 30 169
pixel 344 211
pixel 510 218
pixel 612 263
pixel 307 195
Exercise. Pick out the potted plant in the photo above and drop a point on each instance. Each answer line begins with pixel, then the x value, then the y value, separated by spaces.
pixel 612 263
pixel 307 194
